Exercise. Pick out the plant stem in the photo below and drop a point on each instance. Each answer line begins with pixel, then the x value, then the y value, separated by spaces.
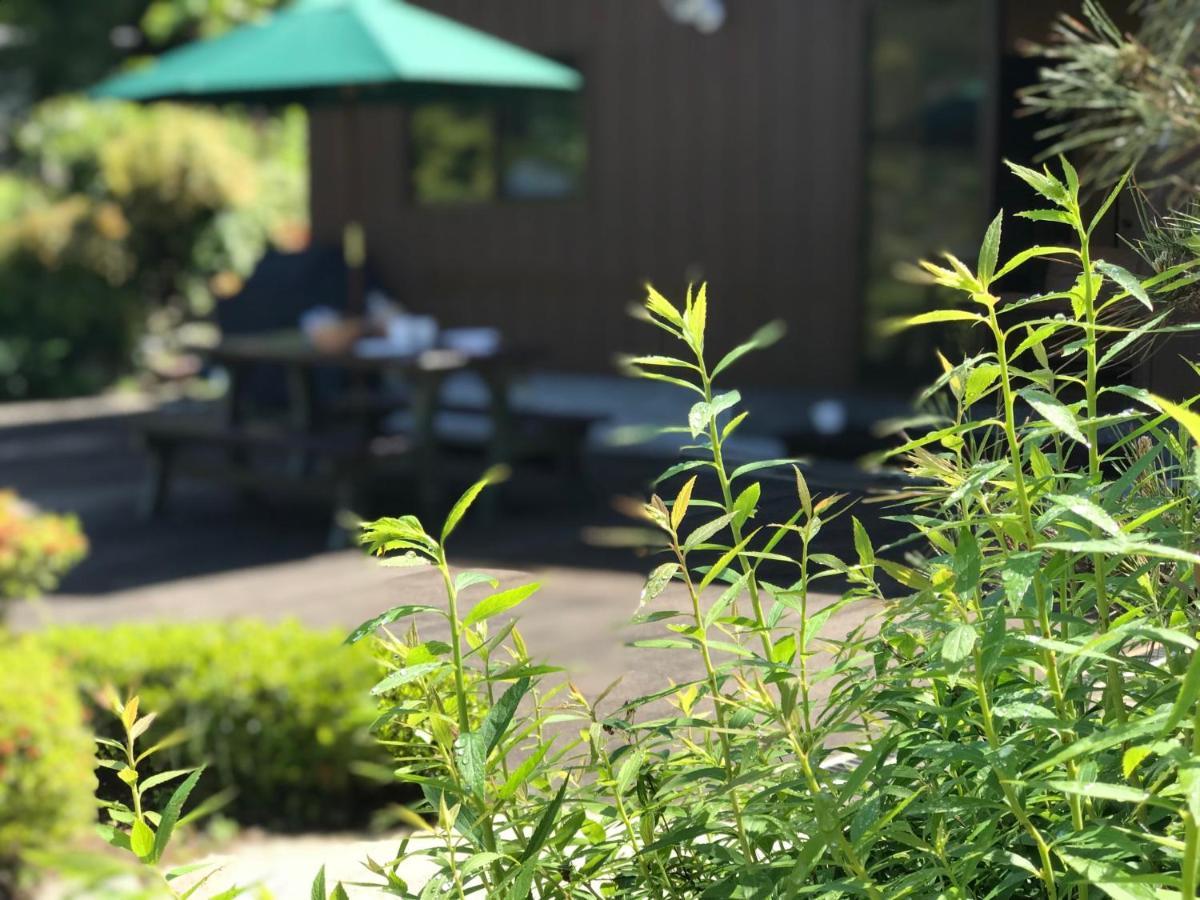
pixel 1031 537
pixel 735 528
pixel 1010 796
pixel 719 710
pixel 1112 689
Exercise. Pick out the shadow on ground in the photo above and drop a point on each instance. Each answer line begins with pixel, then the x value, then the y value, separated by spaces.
pixel 94 467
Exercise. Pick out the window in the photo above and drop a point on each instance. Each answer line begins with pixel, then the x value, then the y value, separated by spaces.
pixel 523 147
pixel 928 172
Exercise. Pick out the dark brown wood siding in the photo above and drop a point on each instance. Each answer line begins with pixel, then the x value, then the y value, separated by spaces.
pixel 733 158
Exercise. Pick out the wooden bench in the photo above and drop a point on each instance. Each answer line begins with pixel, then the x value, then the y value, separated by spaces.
pixel 335 465
pixel 529 435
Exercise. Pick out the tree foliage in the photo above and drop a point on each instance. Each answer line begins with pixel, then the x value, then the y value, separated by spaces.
pixel 1132 100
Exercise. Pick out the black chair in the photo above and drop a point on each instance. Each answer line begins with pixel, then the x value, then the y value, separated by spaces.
pixel 283 287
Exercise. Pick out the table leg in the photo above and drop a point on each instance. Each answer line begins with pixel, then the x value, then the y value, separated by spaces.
pixel 501 448
pixel 426 391
pixel 302 415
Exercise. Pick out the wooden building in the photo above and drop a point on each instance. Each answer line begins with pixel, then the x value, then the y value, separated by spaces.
pixel 792 158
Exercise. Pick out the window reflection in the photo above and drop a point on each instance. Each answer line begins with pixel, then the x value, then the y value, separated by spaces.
pixel 927 175
pixel 524 147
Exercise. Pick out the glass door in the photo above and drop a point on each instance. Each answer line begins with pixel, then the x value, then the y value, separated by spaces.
pixel 929 163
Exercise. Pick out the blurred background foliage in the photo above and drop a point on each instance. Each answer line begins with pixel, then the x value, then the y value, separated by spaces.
pixel 1130 100
pixel 120 225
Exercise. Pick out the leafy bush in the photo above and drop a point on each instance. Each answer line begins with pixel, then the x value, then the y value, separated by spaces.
pixel 278 713
pixel 127 219
pixel 46 758
pixel 1018 719
pixel 36 549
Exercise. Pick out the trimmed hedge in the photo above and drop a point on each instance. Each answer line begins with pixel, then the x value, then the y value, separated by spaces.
pixel 46 756
pixel 280 713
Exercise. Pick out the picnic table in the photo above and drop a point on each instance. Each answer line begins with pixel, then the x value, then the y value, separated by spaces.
pixel 316 444
pixel 334 443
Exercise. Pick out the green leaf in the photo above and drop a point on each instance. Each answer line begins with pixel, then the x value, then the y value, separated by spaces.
pixel 629 771
pixel 1134 757
pixel 162 778
pixel 1110 736
pixel 723 562
pixel 746 502
pixel 1101 791
pixel 862 544
pixel 981 378
pixel 682 499
pixel 1189 691
pixel 470 756
pixel 171 813
pixel 894 326
pixel 339 893
pixel 1047 215
pixel 405 675
pixel 545 823
pixel 764 337
pixel 695 317
pixel 704 413
pixel 658 581
pixel 1184 416
pixel 661 306
pixel 522 772
pixel 141 840
pixel 500 602
pixel 1034 253
pixel 1117 882
pixel 967 563
pixel 1088 511
pixel 989 251
pixel 318 886
pixel 523 881
pixel 1020 710
pixel 1127 280
pixel 499 716
pixel 386 618
pixel 1043 183
pixel 494 475
pixel 1016 575
pixel 707 530
pixel 1070 174
pixel 1109 200
pixel 464 580
pixel 959 643
pixel 1055 413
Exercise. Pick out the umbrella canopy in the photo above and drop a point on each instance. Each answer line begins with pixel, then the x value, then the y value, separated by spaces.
pixel 320 49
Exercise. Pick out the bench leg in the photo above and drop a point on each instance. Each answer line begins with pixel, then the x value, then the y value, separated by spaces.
pixel 158 483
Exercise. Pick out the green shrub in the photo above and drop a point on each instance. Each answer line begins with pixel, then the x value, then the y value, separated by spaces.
pixel 122 223
pixel 1019 717
pixel 46 756
pixel 277 713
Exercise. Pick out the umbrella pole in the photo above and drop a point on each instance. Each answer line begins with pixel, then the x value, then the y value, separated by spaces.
pixel 354 239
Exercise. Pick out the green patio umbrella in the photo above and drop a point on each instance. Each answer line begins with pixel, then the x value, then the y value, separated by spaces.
pixel 324 49
pixel 342 51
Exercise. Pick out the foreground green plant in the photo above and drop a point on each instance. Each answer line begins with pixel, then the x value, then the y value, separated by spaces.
pixel 143 832
pixel 1016 717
